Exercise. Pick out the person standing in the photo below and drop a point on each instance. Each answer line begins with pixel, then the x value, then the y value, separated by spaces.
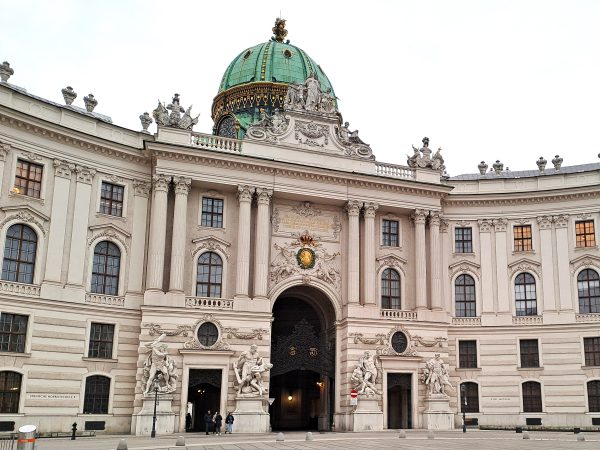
pixel 218 422
pixel 229 423
pixel 207 421
pixel 188 422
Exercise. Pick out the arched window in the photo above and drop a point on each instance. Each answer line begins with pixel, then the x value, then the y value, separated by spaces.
pixel 19 254
pixel 532 396
pixel 593 391
pixel 390 289
pixel 470 392
pixel 464 296
pixel 210 275
pixel 10 392
pixel 105 269
pixel 525 295
pixel 97 391
pixel 588 289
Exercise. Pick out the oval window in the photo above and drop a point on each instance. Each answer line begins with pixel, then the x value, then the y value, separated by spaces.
pixel 399 342
pixel 208 333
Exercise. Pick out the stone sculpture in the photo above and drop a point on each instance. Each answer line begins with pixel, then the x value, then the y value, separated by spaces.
pixel 269 128
pixel 350 140
pixel 174 118
pixel 422 158
pixel 364 375
pixel 435 376
pixel 248 372
pixel 309 97
pixel 159 364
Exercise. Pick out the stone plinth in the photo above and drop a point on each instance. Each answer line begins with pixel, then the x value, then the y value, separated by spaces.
pixel 438 415
pixel 165 417
pixel 367 416
pixel 250 415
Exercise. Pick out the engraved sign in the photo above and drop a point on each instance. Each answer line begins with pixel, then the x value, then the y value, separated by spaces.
pixel 290 220
pixel 52 396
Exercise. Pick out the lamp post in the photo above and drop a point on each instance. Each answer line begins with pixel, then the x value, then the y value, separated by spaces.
pixel 464 396
pixel 155 384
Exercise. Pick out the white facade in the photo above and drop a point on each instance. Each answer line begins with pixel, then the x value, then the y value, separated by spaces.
pixel 273 192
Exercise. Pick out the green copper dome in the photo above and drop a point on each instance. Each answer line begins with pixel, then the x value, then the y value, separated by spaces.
pixel 273 61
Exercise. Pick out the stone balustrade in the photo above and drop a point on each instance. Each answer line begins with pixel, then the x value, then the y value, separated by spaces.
pixel 395 171
pixel 527 320
pixel 107 300
pixel 467 321
pixel 398 314
pixel 211 142
pixel 29 290
pixel 587 318
pixel 208 303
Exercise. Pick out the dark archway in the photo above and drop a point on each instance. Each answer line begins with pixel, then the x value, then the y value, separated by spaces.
pixel 303 357
pixel 204 393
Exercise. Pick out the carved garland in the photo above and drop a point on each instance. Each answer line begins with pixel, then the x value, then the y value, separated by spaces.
pixel 438 341
pixel 388 350
pixel 359 338
pixel 191 331
pixel 256 333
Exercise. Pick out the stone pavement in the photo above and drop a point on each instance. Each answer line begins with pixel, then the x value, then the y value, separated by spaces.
pixel 415 439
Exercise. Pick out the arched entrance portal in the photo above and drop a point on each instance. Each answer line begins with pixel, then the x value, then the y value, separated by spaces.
pixel 303 357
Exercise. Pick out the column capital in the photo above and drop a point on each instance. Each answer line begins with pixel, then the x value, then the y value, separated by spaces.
pixel 544 222
pixel 182 185
pixel 444 225
pixel 561 221
pixel 500 224
pixel 63 168
pixel 370 209
pixel 85 174
pixel 485 225
pixel 419 216
pixel 141 188
pixel 263 195
pixel 435 218
pixel 160 183
pixel 353 208
pixel 4 149
pixel 245 193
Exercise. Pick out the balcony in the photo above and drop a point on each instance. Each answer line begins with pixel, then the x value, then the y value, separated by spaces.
pixel 587 318
pixel 467 321
pixel 527 320
pixel 398 314
pixel 208 303
pixel 211 142
pixel 105 300
pixel 26 290
pixel 395 171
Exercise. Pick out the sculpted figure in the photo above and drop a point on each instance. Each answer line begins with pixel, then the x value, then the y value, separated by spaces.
pixel 313 93
pixel 436 376
pixel 158 362
pixel 364 375
pixel 294 98
pixel 248 371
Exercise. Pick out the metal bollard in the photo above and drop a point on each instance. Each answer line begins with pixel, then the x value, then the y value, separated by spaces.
pixel 73 431
pixel 26 439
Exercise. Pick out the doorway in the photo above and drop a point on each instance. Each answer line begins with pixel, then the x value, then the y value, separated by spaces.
pixel 399 400
pixel 303 357
pixel 204 394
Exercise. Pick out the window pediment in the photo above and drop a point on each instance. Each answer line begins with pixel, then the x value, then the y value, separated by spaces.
pixel 25 213
pixel 525 265
pixel 109 231
pixel 464 266
pixel 390 260
pixel 211 243
pixel 584 261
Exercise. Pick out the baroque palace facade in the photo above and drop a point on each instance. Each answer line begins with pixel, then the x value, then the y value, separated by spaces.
pixel 274 265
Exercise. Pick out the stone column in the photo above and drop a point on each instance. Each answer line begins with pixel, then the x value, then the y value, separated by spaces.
pixel 58 220
pixel 182 189
pixel 141 190
pixel 243 250
pixel 487 267
pixel 81 216
pixel 545 225
pixel 502 265
pixel 262 242
pixel 435 261
pixel 353 209
pixel 418 218
pixel 446 295
pixel 561 223
pixel 369 296
pixel 4 149
pixel 158 232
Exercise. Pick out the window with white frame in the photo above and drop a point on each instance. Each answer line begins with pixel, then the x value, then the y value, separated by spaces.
pixel 209 276
pixel 390 233
pixel 467 354
pixel 593 392
pixel 28 178
pixel 111 199
pixel 523 239
pixel 13 332
pixel 101 340
pixel 105 268
pixel 20 250
pixel 390 289
pixel 212 212
pixel 464 296
pixel 529 352
pixel 525 295
pixel 588 291
pixel 585 235
pixel 463 240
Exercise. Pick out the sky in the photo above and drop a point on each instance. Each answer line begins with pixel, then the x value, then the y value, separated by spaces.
pixel 485 80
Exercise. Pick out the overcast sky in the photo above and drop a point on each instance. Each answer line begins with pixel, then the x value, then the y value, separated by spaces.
pixel 485 80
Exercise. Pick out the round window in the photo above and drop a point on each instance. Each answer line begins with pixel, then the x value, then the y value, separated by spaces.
pixel 208 333
pixel 399 342
pixel 287 53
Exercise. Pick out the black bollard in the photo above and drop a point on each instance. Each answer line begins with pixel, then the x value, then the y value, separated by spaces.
pixel 74 431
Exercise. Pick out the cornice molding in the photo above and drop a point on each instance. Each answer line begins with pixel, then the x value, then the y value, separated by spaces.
pixel 526 199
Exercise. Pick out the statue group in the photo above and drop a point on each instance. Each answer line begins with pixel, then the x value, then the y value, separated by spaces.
pixel 309 97
pixel 435 376
pixel 248 371
pixel 159 368
pixel 364 375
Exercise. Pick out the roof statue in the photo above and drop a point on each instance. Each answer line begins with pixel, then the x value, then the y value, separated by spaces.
pixel 422 158
pixel 279 31
pixel 175 118
pixel 309 96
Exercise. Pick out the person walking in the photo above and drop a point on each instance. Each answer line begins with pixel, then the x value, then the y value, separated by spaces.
pixel 229 423
pixel 208 421
pixel 218 421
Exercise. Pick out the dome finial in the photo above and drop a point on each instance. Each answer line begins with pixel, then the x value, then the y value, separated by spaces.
pixel 279 31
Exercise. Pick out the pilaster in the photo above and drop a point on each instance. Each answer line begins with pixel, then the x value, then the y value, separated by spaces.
pixel 545 226
pixel 141 191
pixel 182 188
pixel 419 218
pixel 353 210
pixel 434 260
pixel 561 223
pixel 369 297
pixel 4 149
pixel 501 265
pixel 487 268
pixel 158 231
pixel 245 194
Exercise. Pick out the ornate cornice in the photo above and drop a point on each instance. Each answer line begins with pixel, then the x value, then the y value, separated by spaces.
pixel 585 262
pixel 464 267
pixel 527 198
pixel 27 215
pixel 211 243
pixel 525 265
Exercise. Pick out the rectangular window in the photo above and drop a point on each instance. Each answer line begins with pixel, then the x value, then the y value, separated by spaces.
pixel 585 235
pixel 530 356
pixel 13 332
pixel 591 348
pixel 467 354
pixel 389 233
pixel 101 340
pixel 463 240
pixel 522 236
pixel 111 199
pixel 212 212
pixel 28 179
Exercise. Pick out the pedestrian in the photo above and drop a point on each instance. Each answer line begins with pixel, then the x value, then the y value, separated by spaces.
pixel 207 421
pixel 218 422
pixel 188 422
pixel 229 423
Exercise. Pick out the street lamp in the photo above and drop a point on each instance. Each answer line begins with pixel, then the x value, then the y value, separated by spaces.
pixel 155 383
pixel 464 396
